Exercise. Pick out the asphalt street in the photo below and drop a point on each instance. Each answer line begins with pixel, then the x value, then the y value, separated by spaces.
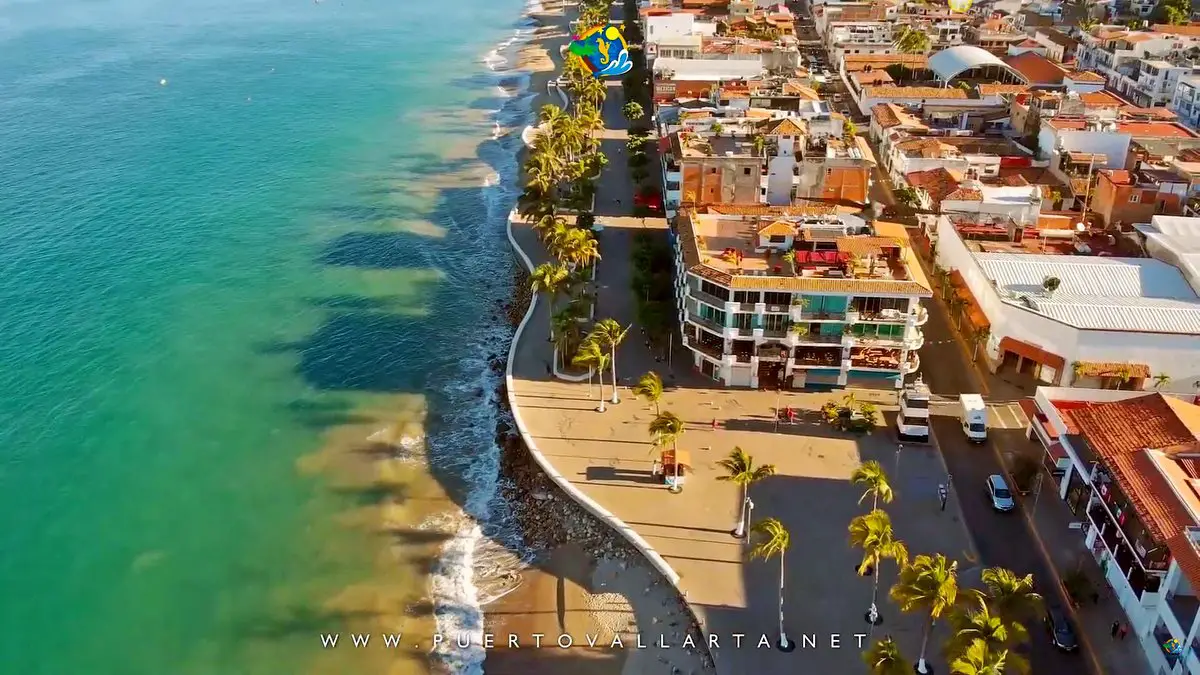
pixel 1002 539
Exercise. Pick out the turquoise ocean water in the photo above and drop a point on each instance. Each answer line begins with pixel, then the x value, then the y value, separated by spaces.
pixel 224 226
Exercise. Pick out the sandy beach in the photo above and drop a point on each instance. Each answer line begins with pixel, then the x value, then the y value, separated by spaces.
pixel 588 587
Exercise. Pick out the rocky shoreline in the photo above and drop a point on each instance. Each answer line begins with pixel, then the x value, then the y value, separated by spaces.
pixel 550 519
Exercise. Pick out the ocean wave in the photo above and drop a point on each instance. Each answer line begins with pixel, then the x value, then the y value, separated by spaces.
pixel 481 562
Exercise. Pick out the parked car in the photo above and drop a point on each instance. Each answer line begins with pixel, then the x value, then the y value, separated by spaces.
pixel 1058 626
pixel 998 493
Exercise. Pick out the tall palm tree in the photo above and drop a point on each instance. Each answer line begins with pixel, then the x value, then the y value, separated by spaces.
pixel 874 535
pixel 930 585
pixel 980 625
pixel 743 473
pixel 610 334
pixel 979 659
pixel 1161 380
pixel 590 355
pixel 870 475
pixel 773 540
pixel 978 339
pixel 884 658
pixel 665 430
pixel 1011 597
pixel 548 280
pixel 649 387
pixel 565 331
pixel 908 40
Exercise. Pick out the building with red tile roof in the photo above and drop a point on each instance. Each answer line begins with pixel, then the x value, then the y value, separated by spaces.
pixel 1128 464
pixel 1037 70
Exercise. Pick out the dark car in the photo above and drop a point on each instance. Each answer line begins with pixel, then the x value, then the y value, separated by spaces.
pixel 1062 635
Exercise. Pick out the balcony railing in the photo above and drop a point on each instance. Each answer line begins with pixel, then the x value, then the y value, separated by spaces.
pixel 706 298
pixel 707 323
pixel 707 349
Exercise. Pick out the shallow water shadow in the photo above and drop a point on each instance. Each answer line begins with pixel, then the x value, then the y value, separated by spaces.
pixel 356 302
pixel 364 351
pixel 409 535
pixel 302 620
pixel 376 250
pixel 372 494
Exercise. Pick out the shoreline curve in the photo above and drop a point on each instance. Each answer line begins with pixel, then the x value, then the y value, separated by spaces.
pixel 638 542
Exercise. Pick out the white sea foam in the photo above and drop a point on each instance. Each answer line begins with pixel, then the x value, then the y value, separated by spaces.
pixel 479 564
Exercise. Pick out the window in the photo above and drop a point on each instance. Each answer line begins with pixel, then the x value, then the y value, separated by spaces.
pixel 918 404
pixel 713 289
pixel 745 296
pixel 776 238
pixel 775 322
pixel 778 298
pixel 1135 197
pixel 742 320
pixel 746 171
pixel 914 421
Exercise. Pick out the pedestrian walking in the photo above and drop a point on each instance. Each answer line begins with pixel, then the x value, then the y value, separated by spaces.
pixel 943 495
pixel 1123 632
pixel 1116 628
pixel 714 424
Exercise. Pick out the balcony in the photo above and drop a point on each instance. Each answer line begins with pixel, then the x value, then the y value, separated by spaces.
pixel 707 298
pixel 704 348
pixel 776 333
pixel 707 323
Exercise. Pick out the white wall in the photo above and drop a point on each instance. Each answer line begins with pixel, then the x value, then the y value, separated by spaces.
pixel 1176 355
pixel 670 25
pixel 1112 145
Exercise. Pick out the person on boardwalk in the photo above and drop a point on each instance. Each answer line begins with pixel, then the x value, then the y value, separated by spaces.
pixel 1116 628
pixel 1124 630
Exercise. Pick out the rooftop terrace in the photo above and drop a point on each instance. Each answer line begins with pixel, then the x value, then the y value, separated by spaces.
pixel 808 248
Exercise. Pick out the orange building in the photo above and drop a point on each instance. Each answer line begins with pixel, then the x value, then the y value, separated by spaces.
pixel 1124 198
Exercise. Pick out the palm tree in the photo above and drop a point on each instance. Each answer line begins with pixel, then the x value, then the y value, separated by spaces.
pixel 908 40
pixel 548 279
pixel 565 331
pixel 742 472
pixel 978 339
pixel 774 540
pixel 649 387
pixel 957 305
pixel 884 658
pixel 979 625
pixel 759 143
pixel 870 475
pixel 1161 380
pixel 665 429
pixel 874 535
pixel 929 585
pixel 979 659
pixel 850 129
pixel 610 334
pixel 590 355
pixel 1011 597
pixel 633 111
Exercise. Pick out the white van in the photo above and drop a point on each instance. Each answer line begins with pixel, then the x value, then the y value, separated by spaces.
pixel 973 416
pixel 912 423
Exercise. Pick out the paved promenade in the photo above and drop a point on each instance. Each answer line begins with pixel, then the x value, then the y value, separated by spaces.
pixel 608 456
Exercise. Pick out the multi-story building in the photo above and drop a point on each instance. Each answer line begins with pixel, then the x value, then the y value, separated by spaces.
pixel 963 151
pixel 1060 47
pixel 1046 299
pixel 1185 102
pixel 1126 197
pixel 798 296
pixel 1144 67
pixel 1125 464
pixel 768 161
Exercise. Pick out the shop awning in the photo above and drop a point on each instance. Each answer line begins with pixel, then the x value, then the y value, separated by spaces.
pixel 1033 353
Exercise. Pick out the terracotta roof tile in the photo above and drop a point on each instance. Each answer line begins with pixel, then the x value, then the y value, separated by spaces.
pixel 885 115
pixel 846 184
pixel 1036 68
pixel 778 227
pixel 965 195
pixel 914 92
pixel 803 209
pixel 782 127
pixel 1121 432
pixel 1109 369
pixel 1085 76
pixel 937 183
pixel 863 247
pixel 1191 29
pixel 1184 551
pixel 998 89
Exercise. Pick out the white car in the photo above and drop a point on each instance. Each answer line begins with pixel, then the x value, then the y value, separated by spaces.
pixel 999 494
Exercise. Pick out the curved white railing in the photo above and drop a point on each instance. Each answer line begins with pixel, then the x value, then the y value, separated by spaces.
pixel 565 485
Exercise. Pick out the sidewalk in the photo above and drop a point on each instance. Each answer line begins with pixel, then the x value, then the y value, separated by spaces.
pixel 1050 518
